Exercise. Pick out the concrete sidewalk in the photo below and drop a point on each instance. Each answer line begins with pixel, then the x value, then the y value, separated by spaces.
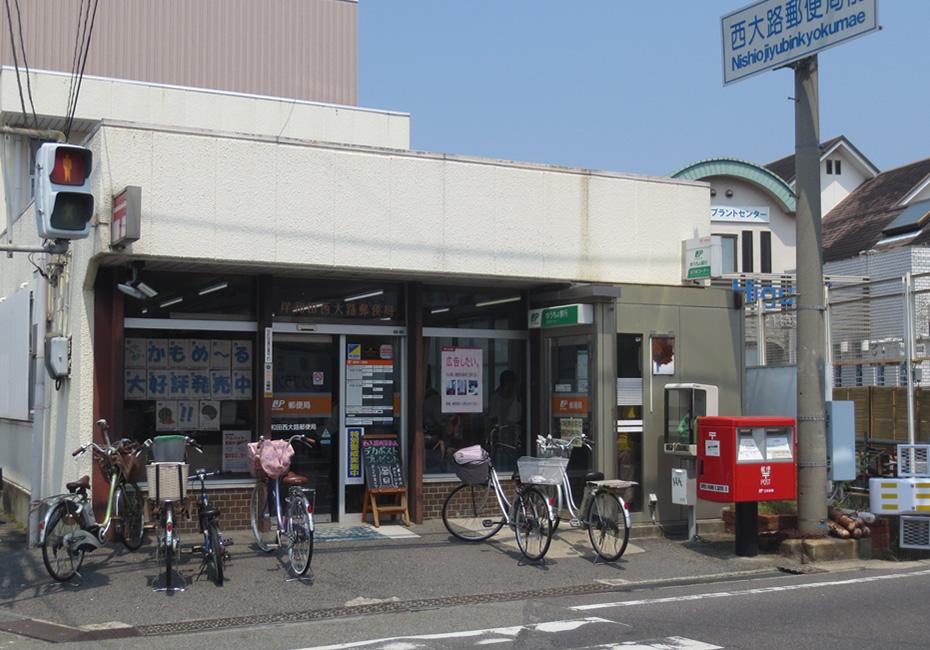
pixel 354 571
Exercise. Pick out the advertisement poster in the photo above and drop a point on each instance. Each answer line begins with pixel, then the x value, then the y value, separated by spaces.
pixel 235 453
pixel 663 355
pixel 462 370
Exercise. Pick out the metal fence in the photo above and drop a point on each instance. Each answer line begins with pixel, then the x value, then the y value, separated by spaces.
pixel 877 342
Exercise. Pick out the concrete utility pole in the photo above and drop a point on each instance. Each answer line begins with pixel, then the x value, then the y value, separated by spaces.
pixel 812 447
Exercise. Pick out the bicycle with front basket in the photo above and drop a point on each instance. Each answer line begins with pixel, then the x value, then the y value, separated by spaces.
pixel 603 512
pixel 167 482
pixel 276 524
pixel 478 508
pixel 69 528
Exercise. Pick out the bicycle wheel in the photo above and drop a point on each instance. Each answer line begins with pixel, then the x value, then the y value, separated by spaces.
pixel 468 509
pixel 61 562
pixel 300 525
pixel 532 523
pixel 261 517
pixel 607 527
pixel 216 551
pixel 132 512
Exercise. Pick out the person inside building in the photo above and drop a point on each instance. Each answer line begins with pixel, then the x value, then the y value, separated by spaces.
pixel 505 413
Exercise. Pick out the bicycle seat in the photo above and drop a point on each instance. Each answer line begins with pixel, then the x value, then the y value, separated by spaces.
pixel 82 483
pixel 294 479
pixel 594 476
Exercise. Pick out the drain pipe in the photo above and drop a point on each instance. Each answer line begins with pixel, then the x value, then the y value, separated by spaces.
pixel 40 411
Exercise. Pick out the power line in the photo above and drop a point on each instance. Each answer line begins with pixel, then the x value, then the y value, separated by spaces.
pixel 9 19
pixel 22 46
pixel 74 57
pixel 77 92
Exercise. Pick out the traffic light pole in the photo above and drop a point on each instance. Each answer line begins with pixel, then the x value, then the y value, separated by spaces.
pixel 812 448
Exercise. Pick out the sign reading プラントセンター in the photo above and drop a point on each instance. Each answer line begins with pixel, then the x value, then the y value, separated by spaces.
pixel 772 33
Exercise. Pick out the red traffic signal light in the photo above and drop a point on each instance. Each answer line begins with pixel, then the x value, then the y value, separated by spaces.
pixel 64 203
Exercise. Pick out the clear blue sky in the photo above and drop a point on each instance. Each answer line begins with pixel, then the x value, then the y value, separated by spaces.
pixel 628 86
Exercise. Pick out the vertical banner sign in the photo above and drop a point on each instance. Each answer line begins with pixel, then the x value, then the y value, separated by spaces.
pixel 772 33
pixel 354 455
pixel 462 372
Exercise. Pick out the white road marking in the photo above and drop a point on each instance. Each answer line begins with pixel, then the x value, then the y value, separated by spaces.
pixel 509 633
pixel 746 592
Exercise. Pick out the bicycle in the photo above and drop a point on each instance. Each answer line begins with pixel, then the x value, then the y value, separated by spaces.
pixel 478 508
pixel 273 530
pixel 167 479
pixel 603 512
pixel 213 550
pixel 69 528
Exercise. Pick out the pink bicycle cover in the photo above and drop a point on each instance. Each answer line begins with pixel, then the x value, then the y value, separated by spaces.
pixel 473 454
pixel 273 457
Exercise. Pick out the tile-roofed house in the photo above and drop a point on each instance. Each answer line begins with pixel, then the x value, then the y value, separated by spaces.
pixel 858 222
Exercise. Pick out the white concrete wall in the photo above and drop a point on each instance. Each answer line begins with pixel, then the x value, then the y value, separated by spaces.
pixel 781 224
pixel 267 203
pixel 197 108
pixel 834 188
pixel 70 410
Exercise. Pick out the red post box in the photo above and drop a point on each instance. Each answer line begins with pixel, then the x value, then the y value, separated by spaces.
pixel 743 459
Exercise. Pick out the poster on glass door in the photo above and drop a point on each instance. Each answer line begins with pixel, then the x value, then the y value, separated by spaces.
pixel 462 370
pixel 369 389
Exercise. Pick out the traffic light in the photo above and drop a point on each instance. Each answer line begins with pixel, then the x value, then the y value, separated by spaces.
pixel 64 204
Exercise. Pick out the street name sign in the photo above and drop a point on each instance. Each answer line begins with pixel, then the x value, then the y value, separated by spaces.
pixel 772 33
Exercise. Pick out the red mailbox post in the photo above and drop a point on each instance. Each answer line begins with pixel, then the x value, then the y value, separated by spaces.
pixel 745 460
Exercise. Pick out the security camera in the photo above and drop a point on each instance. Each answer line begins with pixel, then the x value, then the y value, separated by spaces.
pixel 131 291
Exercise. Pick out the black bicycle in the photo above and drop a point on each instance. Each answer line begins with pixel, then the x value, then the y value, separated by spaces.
pixel 213 550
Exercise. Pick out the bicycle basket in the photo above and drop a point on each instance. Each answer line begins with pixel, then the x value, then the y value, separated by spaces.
pixel 541 471
pixel 555 451
pixel 274 457
pixel 167 481
pixel 169 449
pixel 472 465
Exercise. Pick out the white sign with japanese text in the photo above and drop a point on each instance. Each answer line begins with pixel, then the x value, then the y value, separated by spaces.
pixel 772 33
pixel 462 369
pixel 235 452
pixel 739 215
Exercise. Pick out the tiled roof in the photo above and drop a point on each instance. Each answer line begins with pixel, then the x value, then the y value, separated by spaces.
pixel 784 167
pixel 856 224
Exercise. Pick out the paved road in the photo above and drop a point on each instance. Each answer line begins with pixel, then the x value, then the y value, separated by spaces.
pixel 465 595
pixel 857 608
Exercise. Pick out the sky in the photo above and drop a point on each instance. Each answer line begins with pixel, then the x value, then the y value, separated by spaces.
pixel 628 86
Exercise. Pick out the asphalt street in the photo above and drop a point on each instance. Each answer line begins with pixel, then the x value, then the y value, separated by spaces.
pixel 470 594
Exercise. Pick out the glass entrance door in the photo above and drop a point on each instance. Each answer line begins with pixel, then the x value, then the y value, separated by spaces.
pixel 306 400
pixel 570 371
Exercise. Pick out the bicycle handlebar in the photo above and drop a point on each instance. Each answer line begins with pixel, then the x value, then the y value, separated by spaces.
pixel 103 450
pixel 299 437
pixel 548 442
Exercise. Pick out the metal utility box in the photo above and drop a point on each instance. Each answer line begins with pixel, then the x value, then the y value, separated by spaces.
pixel 841 441
pixel 684 404
pixel 743 459
pixel 684 492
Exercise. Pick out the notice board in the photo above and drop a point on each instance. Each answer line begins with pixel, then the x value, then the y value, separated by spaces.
pixel 381 459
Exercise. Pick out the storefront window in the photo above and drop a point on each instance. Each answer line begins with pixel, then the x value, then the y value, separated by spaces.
pixel 485 308
pixel 297 299
pixel 475 395
pixel 196 383
pixel 161 294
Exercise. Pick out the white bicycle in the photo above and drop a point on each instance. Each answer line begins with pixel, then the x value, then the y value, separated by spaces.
pixel 603 512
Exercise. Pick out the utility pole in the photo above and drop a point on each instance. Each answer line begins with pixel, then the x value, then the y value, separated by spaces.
pixel 812 447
